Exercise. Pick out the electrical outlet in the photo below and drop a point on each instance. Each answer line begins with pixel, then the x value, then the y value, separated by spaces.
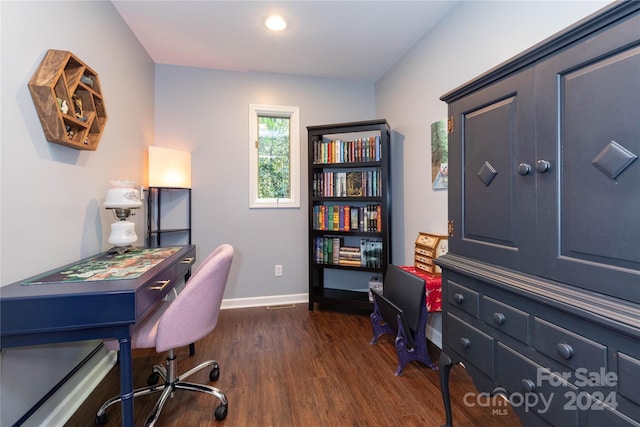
pixel 278 270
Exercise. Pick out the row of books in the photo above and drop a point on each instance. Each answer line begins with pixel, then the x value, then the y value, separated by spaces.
pixel 366 183
pixel 339 151
pixel 331 250
pixel 347 218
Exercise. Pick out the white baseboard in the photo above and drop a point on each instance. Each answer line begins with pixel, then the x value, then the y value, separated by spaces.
pixel 264 301
pixel 65 402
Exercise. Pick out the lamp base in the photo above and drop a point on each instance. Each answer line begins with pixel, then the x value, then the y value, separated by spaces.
pixel 119 250
pixel 123 233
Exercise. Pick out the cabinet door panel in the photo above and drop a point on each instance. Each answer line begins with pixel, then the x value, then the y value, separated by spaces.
pixel 492 206
pixel 589 111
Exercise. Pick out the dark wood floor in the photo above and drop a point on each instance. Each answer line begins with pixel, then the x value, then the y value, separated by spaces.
pixel 292 367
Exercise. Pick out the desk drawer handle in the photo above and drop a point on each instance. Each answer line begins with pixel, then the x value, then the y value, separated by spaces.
pixel 465 342
pixel 458 298
pixel 564 350
pixel 160 285
pixel 187 260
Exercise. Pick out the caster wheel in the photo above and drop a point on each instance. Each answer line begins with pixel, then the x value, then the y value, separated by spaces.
pixel 221 412
pixel 214 374
pixel 153 378
pixel 101 419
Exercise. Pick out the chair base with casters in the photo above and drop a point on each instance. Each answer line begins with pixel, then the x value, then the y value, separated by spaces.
pixel 191 316
pixel 171 384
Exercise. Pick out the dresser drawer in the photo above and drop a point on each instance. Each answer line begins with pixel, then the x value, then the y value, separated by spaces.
pixel 568 348
pixel 509 320
pixel 546 394
pixel 474 345
pixel 463 298
pixel 607 417
pixel 629 377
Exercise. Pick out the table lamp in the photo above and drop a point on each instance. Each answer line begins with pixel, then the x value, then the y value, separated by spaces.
pixel 122 198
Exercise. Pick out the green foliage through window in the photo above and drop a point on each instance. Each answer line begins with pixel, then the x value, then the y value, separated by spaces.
pixel 273 157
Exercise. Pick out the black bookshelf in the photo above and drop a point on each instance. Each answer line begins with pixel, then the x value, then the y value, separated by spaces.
pixel 349 169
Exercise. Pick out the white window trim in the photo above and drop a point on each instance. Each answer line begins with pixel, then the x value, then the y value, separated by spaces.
pixel 293 113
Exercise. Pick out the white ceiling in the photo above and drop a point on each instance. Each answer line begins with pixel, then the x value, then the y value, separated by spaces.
pixel 358 40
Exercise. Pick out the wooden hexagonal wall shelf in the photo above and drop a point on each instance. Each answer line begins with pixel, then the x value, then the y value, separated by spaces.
pixel 68 99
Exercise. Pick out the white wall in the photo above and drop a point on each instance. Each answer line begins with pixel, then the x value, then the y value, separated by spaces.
pixel 51 196
pixel 474 37
pixel 206 112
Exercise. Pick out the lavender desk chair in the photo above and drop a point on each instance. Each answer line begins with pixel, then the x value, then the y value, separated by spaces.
pixel 191 316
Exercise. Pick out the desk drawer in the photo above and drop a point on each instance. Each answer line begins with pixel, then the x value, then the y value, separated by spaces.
pixel 568 348
pixel 185 263
pixel 463 298
pixel 154 291
pixel 509 320
pixel 471 343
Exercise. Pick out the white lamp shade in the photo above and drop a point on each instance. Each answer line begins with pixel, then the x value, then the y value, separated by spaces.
pixel 122 195
pixel 169 168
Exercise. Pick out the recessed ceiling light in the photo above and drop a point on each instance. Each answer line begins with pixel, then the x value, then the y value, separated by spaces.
pixel 275 23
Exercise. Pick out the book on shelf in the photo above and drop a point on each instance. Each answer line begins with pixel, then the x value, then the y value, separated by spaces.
pixel 347 218
pixel 331 217
pixel 347 184
pixel 363 252
pixel 335 250
pixel 331 250
pixel 349 255
pixel 354 184
pixel 366 149
pixel 355 223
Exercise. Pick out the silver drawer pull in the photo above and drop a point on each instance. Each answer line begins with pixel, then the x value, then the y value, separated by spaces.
pixel 187 260
pixel 524 169
pixel 499 318
pixel 465 342
pixel 160 285
pixel 527 385
pixel 564 350
pixel 542 166
pixel 458 298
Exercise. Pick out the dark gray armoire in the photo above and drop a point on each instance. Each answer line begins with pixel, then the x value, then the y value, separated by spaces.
pixel 541 285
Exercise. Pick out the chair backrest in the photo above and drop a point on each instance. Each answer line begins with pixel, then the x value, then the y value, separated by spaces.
pixel 405 291
pixel 194 312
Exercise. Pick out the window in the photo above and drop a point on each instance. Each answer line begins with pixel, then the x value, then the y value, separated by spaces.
pixel 274 153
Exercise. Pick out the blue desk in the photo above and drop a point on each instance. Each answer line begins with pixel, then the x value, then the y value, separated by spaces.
pixel 63 311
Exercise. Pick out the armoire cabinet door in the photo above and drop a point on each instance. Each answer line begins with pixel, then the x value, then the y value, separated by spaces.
pixel 491 184
pixel 588 207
